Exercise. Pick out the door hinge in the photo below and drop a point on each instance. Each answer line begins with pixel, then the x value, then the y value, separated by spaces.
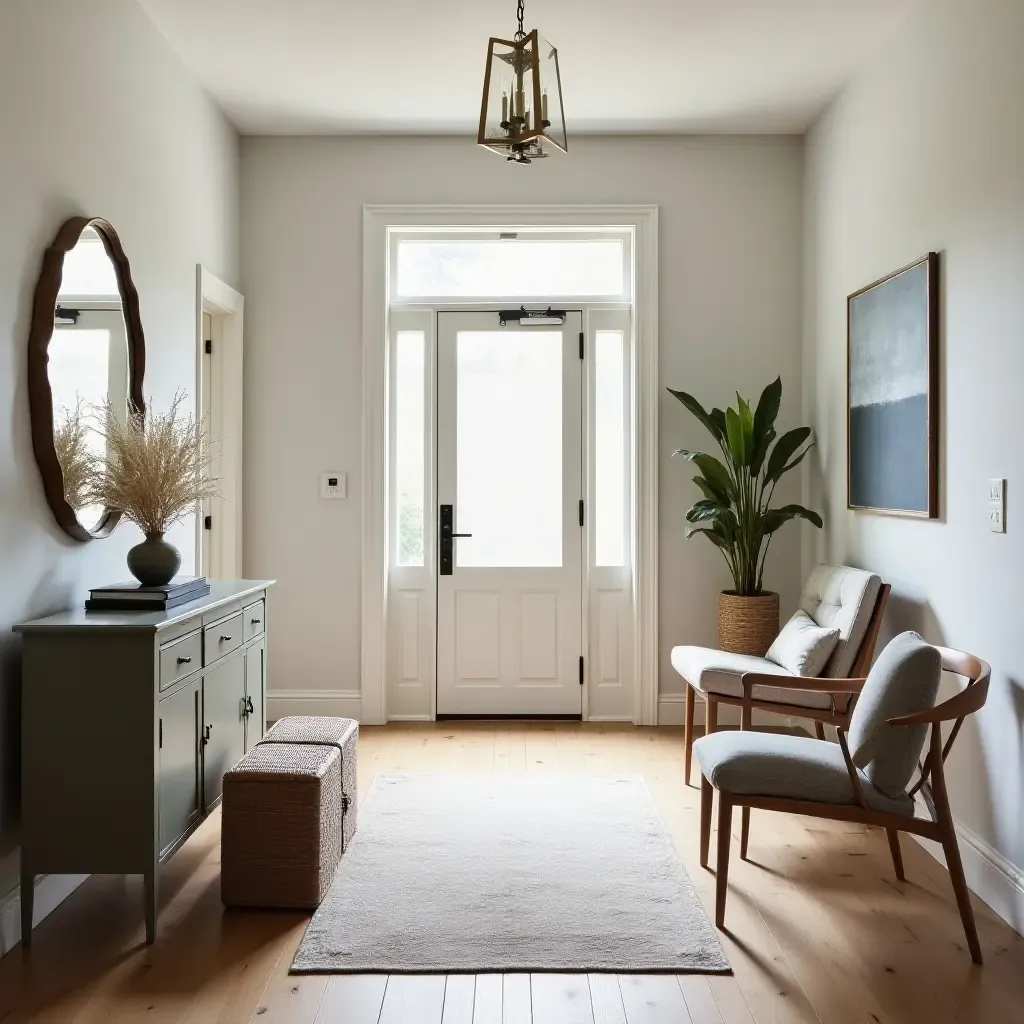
pixel 208 346
pixel 207 522
pixel 581 512
pixel 581 344
pixel 581 670
pixel 161 743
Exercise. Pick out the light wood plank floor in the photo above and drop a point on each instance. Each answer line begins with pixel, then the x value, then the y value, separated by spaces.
pixel 820 930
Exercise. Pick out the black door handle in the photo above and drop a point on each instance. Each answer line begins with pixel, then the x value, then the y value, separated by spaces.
pixel 446 520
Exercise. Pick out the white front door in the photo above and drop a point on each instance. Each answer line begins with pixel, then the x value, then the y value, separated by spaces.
pixel 509 489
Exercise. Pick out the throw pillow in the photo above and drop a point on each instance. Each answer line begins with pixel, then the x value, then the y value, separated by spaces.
pixel 803 647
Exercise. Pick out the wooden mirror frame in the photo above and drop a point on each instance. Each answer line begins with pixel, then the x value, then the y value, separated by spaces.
pixel 40 397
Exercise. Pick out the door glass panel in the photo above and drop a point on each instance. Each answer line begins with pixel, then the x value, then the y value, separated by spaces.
pixel 610 449
pixel 409 445
pixel 509 448
pixel 490 268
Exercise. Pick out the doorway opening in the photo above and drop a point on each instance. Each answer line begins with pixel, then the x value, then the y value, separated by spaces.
pixel 509 479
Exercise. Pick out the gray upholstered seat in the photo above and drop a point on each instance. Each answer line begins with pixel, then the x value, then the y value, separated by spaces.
pixel 904 679
pixel 775 764
pixel 836 597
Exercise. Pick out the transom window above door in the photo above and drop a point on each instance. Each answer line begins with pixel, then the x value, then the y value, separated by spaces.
pixel 513 264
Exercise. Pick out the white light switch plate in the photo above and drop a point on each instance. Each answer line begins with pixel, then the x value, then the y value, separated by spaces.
pixel 333 485
pixel 997 505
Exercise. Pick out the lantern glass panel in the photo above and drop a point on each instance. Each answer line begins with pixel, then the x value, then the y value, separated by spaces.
pixel 551 89
pixel 510 115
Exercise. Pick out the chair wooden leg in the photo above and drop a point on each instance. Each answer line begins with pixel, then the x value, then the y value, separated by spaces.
pixel 950 846
pixel 819 729
pixel 744 831
pixel 897 855
pixel 724 842
pixel 707 795
pixel 710 715
pixel 688 733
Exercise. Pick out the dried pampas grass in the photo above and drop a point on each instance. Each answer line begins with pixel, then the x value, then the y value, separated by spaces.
pixel 156 466
pixel 77 463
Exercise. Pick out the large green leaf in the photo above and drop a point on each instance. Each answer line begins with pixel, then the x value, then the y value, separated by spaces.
pixel 767 410
pixel 761 449
pixel 701 510
pixel 738 450
pixel 712 470
pixel 718 418
pixel 784 449
pixel 775 518
pixel 715 473
pixel 698 410
pixel 796 462
pixel 717 539
pixel 747 424
pixel 709 492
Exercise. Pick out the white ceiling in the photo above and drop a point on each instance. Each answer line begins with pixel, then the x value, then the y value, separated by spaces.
pixel 399 66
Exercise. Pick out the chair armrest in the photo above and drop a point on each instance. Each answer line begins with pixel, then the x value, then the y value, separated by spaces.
pixel 966 702
pixel 812 684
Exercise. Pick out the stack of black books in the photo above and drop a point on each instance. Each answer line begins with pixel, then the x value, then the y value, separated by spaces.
pixel 133 597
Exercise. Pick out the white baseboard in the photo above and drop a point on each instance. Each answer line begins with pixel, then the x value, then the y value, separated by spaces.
pixel 336 703
pixel 990 876
pixel 51 891
pixel 672 711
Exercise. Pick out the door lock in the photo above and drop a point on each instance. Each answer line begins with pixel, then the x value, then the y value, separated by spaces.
pixel 446 519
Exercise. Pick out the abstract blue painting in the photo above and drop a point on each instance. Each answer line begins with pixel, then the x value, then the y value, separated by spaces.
pixel 893 392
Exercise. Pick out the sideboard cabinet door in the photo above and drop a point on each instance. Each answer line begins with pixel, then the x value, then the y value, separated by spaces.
pixel 255 693
pixel 178 737
pixel 223 723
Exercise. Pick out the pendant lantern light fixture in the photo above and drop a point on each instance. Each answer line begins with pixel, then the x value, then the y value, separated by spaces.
pixel 522 102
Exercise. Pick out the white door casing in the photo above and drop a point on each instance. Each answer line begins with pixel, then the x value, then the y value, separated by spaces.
pixel 399 613
pixel 509 462
pixel 219 319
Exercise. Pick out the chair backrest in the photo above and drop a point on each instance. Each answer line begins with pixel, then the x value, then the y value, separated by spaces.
pixel 843 598
pixel 903 681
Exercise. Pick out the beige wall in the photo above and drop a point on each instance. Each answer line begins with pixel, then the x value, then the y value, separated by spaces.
pixel 97 116
pixel 730 279
pixel 925 151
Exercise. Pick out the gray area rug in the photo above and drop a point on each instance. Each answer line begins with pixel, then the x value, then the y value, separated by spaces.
pixel 510 873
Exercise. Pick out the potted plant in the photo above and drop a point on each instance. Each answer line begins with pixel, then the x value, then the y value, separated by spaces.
pixel 735 513
pixel 155 472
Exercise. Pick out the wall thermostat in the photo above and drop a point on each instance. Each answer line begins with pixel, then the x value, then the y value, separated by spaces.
pixel 333 485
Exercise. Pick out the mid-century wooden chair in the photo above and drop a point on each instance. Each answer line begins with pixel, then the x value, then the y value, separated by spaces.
pixel 836 596
pixel 867 776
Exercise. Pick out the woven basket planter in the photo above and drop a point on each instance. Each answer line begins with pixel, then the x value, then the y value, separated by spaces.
pixel 747 625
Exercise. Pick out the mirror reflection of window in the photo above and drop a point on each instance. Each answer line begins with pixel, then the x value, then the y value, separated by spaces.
pixel 88 364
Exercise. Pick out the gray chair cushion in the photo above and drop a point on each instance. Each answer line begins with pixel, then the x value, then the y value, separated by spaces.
pixel 838 597
pixel 776 764
pixel 712 671
pixel 905 678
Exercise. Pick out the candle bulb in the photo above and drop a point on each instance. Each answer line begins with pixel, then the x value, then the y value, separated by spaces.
pixel 544 105
pixel 504 106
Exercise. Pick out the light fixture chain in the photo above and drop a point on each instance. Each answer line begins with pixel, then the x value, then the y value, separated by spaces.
pixel 521 13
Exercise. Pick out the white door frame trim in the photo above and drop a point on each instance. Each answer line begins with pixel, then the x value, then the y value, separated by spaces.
pixel 219 386
pixel 379 222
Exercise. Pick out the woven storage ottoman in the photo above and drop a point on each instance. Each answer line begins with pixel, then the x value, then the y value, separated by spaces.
pixel 281 826
pixel 342 733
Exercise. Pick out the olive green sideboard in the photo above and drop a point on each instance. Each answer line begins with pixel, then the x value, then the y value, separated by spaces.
pixel 129 721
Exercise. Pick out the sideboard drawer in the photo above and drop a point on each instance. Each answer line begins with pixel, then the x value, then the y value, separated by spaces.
pixel 255 620
pixel 180 658
pixel 222 638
